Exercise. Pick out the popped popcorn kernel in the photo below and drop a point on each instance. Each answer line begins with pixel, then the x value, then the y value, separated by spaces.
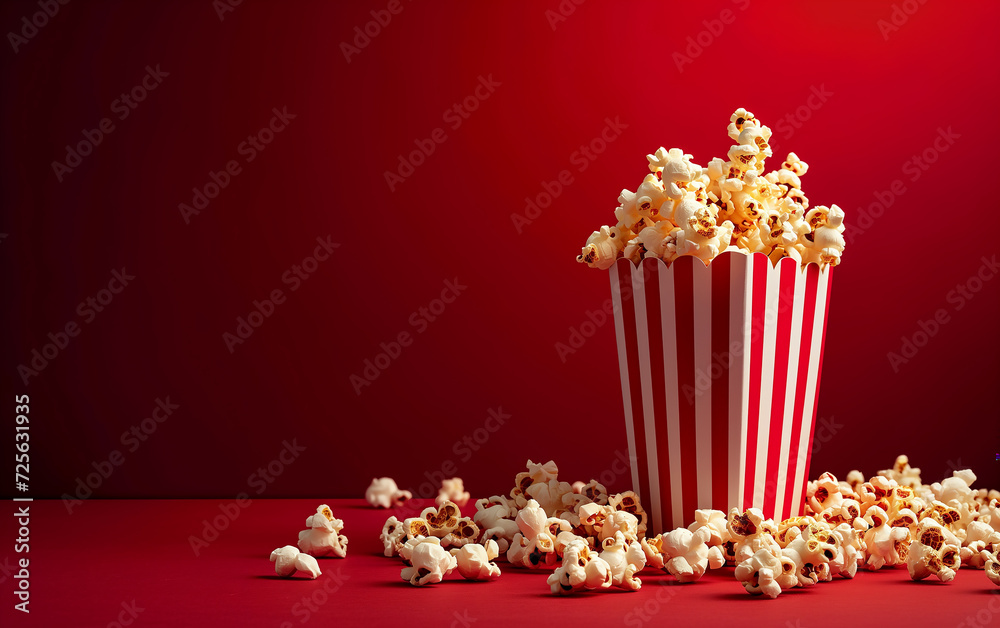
pixel 682 208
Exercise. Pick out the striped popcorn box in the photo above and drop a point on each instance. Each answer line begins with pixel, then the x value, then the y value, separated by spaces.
pixel 720 369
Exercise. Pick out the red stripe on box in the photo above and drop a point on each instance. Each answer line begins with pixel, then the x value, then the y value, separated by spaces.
pixel 656 357
pixel 788 268
pixel 684 315
pixel 759 267
pixel 819 373
pixel 721 269
pixel 634 378
pixel 805 345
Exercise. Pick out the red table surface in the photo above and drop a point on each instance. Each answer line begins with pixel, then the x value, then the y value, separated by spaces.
pixel 112 559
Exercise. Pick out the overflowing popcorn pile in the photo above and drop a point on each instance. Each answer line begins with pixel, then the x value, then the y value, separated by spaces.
pixel 682 208
pixel 589 539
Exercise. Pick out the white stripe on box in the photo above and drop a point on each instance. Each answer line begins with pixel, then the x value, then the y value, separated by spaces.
pixel 645 379
pixel 616 297
pixel 667 311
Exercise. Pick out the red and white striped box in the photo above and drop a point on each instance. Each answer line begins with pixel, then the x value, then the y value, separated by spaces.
pixel 720 369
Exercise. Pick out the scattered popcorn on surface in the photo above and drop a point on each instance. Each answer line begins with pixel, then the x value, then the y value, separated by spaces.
pixel 581 568
pixel 625 559
pixel 287 560
pixel 592 540
pixel 760 572
pixel 475 561
pixel 685 553
pixel 495 517
pixel 992 565
pixel 452 490
pixel 714 521
pixel 322 536
pixel 393 536
pixel 427 562
pixel 930 555
pixel 383 493
pixel 686 209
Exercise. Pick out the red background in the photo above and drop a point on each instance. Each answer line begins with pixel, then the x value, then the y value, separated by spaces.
pixel 495 346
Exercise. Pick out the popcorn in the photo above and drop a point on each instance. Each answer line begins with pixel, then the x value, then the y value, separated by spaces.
pixel 718 534
pixel 980 539
pixel 750 532
pixel 441 520
pixel 700 236
pixel 619 522
pixel 686 553
pixel 811 552
pixel 322 536
pixel 549 494
pixel 383 493
pixel 760 572
pixel 889 520
pixel 287 560
pixel 452 490
pixel 629 502
pixel 602 248
pixel 682 208
pixel 930 555
pixel 494 516
pixel 826 494
pixel 475 561
pixel 580 569
pixel 393 536
pixel 903 473
pixel 886 545
pixel 850 551
pixel 428 562
pixel 673 167
pixel 597 493
pixel 540 483
pixel 624 560
pixel 992 566
pixel 825 244
pixel 652 547
pixel 534 545
pixel 658 240
pixel 464 533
